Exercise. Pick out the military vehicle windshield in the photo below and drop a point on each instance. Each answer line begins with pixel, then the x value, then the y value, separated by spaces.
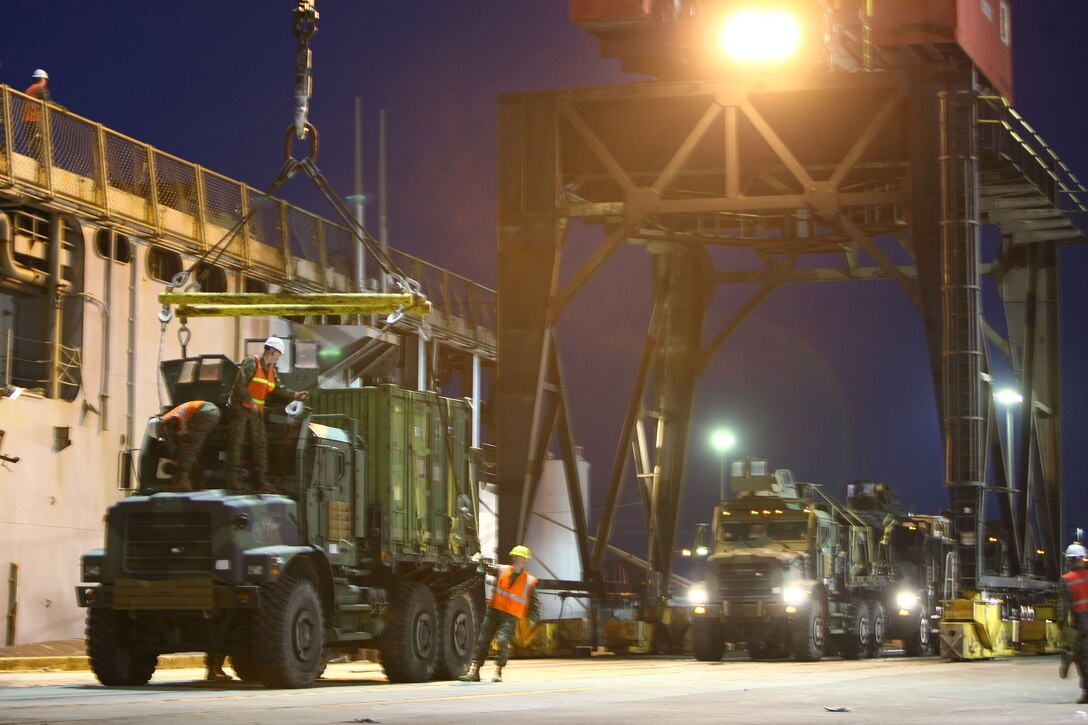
pixel 758 533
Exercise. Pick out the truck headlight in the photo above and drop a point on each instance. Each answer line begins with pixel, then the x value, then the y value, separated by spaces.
pixel 697 594
pixel 794 595
pixel 907 600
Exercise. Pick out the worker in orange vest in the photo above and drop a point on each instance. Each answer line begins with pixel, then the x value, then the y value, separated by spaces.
pixel 513 598
pixel 182 432
pixel 1075 633
pixel 255 386
pixel 32 112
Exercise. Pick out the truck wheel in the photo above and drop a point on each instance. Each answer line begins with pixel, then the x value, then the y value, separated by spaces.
pixel 456 638
pixel 288 636
pixel 409 642
pixel 706 640
pixel 114 659
pixel 855 640
pixel 916 641
pixel 807 634
pixel 878 623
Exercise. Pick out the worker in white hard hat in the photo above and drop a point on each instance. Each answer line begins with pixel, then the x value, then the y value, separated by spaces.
pixel 32 111
pixel 513 599
pixel 254 387
pixel 1075 619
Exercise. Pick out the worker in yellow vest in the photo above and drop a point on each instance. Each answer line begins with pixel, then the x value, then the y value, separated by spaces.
pixel 1075 632
pixel 514 597
pixel 255 386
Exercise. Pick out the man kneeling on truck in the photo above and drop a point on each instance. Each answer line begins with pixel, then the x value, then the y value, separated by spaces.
pixel 514 597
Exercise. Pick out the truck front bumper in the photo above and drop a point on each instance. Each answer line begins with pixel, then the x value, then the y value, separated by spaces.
pixel 169 595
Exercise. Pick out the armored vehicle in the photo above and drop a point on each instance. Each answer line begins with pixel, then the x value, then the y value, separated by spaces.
pixel 368 546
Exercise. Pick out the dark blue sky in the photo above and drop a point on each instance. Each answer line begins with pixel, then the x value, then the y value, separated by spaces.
pixel 829 380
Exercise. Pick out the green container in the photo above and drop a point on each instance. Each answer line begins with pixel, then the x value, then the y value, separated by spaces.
pixel 416 447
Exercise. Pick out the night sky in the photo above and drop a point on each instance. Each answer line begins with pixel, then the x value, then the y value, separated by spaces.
pixel 830 380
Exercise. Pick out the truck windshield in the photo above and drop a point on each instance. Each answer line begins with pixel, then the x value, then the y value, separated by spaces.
pixel 753 532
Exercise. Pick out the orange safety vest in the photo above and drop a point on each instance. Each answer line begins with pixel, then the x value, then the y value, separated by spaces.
pixel 262 384
pixel 512 595
pixel 182 414
pixel 33 111
pixel 1076 582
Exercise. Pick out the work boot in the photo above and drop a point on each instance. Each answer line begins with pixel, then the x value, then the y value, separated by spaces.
pixel 1063 668
pixel 215 673
pixel 1083 699
pixel 181 481
pixel 498 675
pixel 263 486
pixel 473 674
pixel 230 481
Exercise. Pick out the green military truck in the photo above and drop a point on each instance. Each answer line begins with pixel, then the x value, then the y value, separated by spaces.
pixel 369 546
pixel 791 573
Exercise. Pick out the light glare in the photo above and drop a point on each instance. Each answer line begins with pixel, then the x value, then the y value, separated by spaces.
pixel 755 35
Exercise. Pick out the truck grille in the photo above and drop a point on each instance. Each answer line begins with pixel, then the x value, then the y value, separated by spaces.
pixel 749 582
pixel 159 543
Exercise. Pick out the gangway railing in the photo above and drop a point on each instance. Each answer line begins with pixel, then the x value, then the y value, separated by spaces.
pixel 78 164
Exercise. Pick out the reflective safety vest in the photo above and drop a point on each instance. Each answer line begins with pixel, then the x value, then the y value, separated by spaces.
pixel 182 414
pixel 1076 581
pixel 512 594
pixel 33 111
pixel 261 385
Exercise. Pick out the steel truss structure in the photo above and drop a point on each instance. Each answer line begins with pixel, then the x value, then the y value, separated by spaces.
pixel 787 168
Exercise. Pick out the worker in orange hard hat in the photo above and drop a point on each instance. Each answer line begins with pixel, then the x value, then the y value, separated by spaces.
pixel 513 598
pixel 1075 618
pixel 255 385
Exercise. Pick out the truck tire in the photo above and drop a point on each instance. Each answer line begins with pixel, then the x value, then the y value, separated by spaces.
pixel 457 627
pixel 878 623
pixel 409 642
pixel 115 660
pixel 855 640
pixel 288 635
pixel 916 640
pixel 707 643
pixel 808 633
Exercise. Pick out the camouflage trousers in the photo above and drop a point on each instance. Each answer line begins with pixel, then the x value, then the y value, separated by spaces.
pixel 498 625
pixel 238 424
pixel 1075 642
pixel 189 443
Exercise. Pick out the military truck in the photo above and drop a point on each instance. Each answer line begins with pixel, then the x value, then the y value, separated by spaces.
pixel 792 573
pixel 917 549
pixel 369 546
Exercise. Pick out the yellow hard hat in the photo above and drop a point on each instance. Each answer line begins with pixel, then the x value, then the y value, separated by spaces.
pixel 522 551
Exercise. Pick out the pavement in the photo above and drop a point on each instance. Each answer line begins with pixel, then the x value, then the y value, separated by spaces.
pixel 71 654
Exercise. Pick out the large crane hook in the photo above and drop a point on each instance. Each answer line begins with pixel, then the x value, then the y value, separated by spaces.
pixel 306 16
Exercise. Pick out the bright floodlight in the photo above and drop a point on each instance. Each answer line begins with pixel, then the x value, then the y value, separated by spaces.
pixel 758 35
pixel 1008 396
pixel 722 440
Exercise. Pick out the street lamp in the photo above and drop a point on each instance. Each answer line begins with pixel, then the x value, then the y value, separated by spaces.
pixel 722 441
pixel 1008 397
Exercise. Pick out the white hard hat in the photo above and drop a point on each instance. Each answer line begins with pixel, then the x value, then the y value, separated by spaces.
pixel 154 427
pixel 276 344
pixel 1076 551
pixel 39 74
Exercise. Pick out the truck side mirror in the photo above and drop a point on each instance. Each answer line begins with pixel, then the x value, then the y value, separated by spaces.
pixel 702 540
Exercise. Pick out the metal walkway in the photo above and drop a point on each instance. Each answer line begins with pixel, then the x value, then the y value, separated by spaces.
pixel 92 171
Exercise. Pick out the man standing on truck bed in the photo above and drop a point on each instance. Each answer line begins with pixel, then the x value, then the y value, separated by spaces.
pixel 514 597
pixel 255 386
pixel 182 431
